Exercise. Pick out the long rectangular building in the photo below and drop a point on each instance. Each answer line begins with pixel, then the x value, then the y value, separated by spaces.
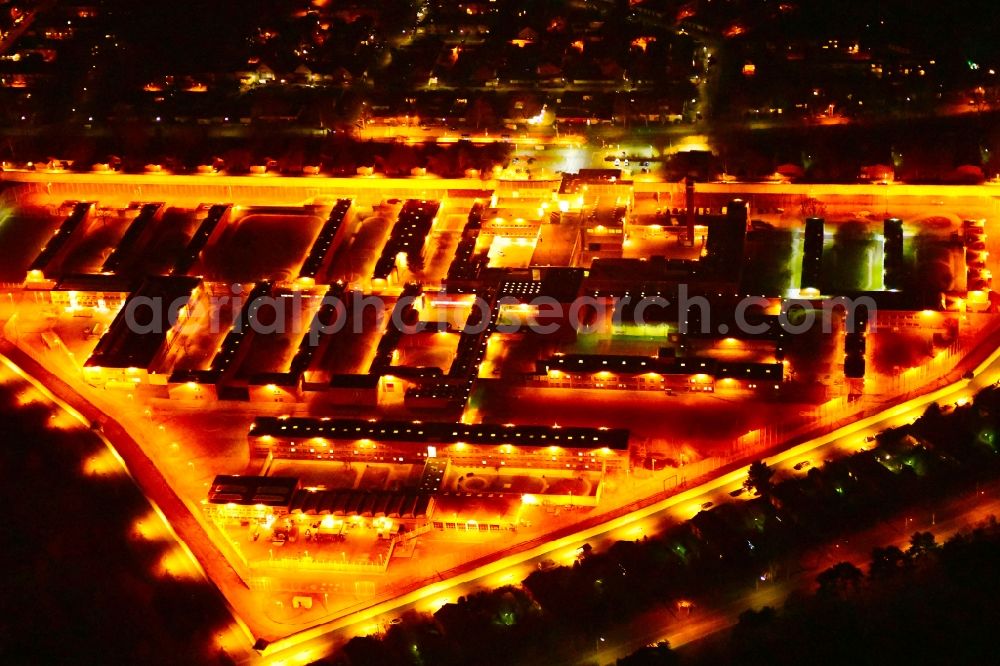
pixel 234 499
pixel 481 444
pixel 594 371
pixel 143 328
pixel 408 237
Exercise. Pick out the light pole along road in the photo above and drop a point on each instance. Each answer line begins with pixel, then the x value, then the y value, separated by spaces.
pixel 313 643
pixel 954 514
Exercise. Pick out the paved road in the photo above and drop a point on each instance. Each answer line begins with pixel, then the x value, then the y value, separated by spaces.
pixel 646 521
pixel 311 644
pixel 314 643
pixel 679 629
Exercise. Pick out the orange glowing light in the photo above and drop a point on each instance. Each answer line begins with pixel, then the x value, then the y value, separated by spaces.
pixel 102 463
pixel 175 563
pixel 642 42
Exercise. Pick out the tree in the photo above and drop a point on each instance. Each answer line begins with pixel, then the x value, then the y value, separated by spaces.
pixel 651 655
pixel 811 207
pixel 366 650
pixel 921 544
pixel 887 562
pixel 840 579
pixel 759 478
pixel 753 636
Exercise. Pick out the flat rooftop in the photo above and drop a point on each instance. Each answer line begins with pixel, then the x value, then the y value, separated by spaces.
pixel 440 433
pixel 124 347
pixel 637 365
pixel 403 504
pixel 251 490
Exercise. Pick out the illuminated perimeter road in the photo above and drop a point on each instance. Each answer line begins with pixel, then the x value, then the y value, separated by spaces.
pixel 310 644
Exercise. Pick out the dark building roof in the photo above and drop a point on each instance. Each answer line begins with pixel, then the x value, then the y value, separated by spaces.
pixel 401 312
pixel 408 236
pixel 769 326
pixel 405 504
pixel 561 284
pixel 250 490
pixel 726 246
pixel 200 238
pixel 94 282
pixel 768 371
pixel 440 433
pixel 639 272
pixel 325 239
pixel 443 392
pixel 230 347
pixel 638 365
pixel 147 213
pixel 123 347
pixel 463 267
pixel 62 235
pixel 285 379
pixel 354 381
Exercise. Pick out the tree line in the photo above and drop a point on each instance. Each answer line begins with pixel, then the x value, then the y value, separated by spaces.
pixel 725 549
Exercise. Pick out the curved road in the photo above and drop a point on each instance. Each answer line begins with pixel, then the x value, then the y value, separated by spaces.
pixel 311 644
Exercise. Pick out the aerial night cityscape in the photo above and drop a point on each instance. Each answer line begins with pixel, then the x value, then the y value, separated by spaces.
pixel 638 332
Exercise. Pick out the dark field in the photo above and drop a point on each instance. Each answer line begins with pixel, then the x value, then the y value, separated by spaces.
pixel 79 586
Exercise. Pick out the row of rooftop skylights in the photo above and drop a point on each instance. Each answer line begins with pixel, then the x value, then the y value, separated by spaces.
pixel 303 427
